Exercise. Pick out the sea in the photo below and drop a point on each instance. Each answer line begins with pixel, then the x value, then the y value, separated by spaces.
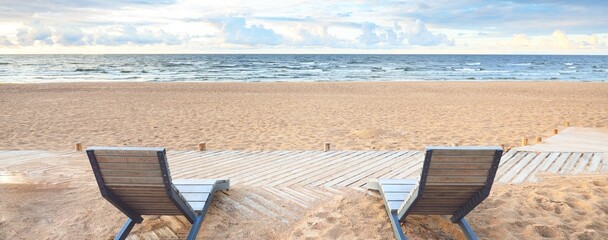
pixel 299 68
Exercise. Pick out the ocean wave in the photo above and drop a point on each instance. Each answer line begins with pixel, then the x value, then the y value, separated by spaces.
pixel 88 70
pixel 171 64
pixel 568 64
pixel 377 69
pixel 467 69
pixel 521 64
pixel 473 64
pixel 4 63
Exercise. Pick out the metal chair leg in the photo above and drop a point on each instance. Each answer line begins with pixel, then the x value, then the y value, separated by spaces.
pixel 466 229
pixel 196 226
pixel 396 226
pixel 125 230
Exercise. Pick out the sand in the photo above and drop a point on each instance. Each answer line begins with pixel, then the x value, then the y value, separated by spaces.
pixel 558 207
pixel 300 116
pixel 293 115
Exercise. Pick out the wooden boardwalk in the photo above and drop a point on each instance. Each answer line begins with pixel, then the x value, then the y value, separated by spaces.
pixel 280 185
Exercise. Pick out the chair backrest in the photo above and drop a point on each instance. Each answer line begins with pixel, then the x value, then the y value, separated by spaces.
pixel 137 180
pixel 454 180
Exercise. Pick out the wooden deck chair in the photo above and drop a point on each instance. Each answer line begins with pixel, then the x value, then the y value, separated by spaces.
pixel 454 181
pixel 137 181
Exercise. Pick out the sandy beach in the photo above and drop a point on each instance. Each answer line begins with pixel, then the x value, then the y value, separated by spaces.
pixel 302 116
pixel 406 115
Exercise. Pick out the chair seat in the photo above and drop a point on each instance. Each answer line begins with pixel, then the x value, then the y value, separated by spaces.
pixel 196 192
pixel 396 191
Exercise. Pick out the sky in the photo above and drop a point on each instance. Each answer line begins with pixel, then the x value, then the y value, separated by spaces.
pixel 315 26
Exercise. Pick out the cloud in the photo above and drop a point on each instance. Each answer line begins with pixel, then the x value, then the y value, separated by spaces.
pixel 130 35
pixel 4 42
pixel 70 36
pixel 415 34
pixel 560 39
pixel 418 34
pixel 368 37
pixel 520 40
pixel 34 32
pixel 235 30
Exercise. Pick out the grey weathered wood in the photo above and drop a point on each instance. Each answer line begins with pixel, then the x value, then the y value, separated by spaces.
pixel 559 162
pixel 595 162
pixel 570 162
pixel 582 163
pixel 530 168
pixel 516 168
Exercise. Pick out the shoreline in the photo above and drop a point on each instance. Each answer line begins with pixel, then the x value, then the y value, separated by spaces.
pixel 328 81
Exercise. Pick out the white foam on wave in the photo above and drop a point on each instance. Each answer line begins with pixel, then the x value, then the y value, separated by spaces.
pixel 473 64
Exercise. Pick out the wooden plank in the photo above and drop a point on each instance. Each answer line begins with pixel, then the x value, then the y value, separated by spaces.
pixel 412 167
pixel 559 162
pixel 111 180
pixel 516 168
pixel 396 196
pixel 243 163
pixel 132 153
pixel 507 165
pixel 197 206
pixel 249 165
pixel 359 171
pixel 194 181
pixel 530 168
pixel 468 166
pixel 458 172
pixel 194 188
pixel 604 162
pixel 580 167
pixel 456 179
pixel 544 166
pixel 129 166
pixel 393 205
pixel 127 159
pixel 397 188
pixel 548 161
pixel 216 164
pixel 393 181
pixel 463 159
pixel 595 162
pixel 449 195
pixel 453 184
pixel 145 199
pixel 147 205
pixel 284 166
pixel 134 185
pixel 569 165
pixel 461 152
pixel 507 156
pixel 333 168
pixel 130 173
pixel 318 175
pixel 396 168
pixel 370 168
pixel 456 188
pixel 190 197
